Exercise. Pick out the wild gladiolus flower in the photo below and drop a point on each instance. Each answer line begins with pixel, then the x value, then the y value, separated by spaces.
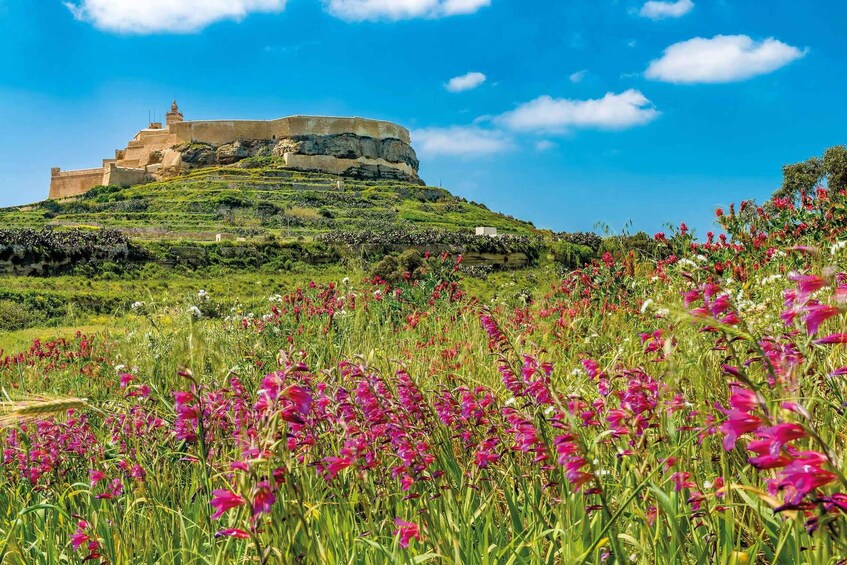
pixel 807 284
pixel 233 533
pixel 224 500
pixel 802 476
pixel 407 532
pixel 816 315
pixel 832 339
pixel 263 500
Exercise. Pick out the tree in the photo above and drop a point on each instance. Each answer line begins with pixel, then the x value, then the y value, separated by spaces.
pixel 835 166
pixel 800 179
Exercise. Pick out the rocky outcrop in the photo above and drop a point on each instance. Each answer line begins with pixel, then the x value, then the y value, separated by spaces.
pixel 343 154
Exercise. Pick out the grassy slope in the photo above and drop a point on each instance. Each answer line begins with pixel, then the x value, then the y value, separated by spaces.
pixel 259 201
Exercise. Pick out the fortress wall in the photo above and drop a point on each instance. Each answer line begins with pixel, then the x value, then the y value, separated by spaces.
pixel 227 131
pixel 220 132
pixel 137 153
pixel 308 125
pixel 336 166
pixel 73 183
pixel 122 176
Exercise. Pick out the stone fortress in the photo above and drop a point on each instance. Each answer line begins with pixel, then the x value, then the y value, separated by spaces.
pixel 351 147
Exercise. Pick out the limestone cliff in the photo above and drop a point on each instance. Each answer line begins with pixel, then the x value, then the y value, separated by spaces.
pixel 344 154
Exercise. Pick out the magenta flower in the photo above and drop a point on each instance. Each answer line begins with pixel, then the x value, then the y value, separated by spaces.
pixel 334 465
pixel 263 500
pixel 407 531
pixel 832 339
pixel 96 476
pixel 224 500
pixel 816 315
pixel 737 424
pixel 233 533
pixel 807 284
pixel 803 476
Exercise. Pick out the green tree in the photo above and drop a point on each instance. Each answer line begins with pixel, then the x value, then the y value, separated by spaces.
pixel 835 166
pixel 800 179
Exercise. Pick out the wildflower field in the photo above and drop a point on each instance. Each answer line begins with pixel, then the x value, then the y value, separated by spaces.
pixel 683 408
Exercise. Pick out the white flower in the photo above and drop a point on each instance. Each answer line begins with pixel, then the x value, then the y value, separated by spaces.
pixel 686 262
pixel 646 305
pixel 771 279
pixel 345 281
pixel 549 410
pixel 275 298
pixel 136 305
pixel 838 246
pixel 202 295
pixel 701 258
pixel 195 311
pixel 663 312
pixel 120 367
pixel 510 401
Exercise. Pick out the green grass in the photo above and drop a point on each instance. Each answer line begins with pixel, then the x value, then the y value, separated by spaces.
pixel 260 201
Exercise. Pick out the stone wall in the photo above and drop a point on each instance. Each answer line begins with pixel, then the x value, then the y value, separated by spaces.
pixel 123 176
pixel 72 183
pixel 227 131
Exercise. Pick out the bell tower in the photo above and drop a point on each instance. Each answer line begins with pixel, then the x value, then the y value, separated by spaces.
pixel 174 116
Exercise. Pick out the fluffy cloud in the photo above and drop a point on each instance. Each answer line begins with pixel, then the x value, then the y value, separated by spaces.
pixel 463 141
pixel 465 82
pixel 656 10
pixel 724 58
pixel 175 16
pixel 360 10
pixel 555 115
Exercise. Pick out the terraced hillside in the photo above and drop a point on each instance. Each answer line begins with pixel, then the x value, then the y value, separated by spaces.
pixel 260 198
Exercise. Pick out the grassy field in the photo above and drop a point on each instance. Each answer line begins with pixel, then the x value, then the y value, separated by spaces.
pixel 685 407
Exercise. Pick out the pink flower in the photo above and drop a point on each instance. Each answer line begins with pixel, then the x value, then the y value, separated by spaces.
pixel 224 500
pixel 263 500
pixel 334 465
pixel 807 284
pixel 407 531
pixel 96 476
pixel 832 339
pixel 233 533
pixel 803 475
pixel 816 315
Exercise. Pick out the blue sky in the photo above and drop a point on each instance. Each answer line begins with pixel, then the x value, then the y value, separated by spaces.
pixel 567 112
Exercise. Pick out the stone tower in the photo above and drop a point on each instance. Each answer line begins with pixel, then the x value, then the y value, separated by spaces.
pixel 174 116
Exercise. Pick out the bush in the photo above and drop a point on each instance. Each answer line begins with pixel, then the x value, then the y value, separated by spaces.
pixel 17 316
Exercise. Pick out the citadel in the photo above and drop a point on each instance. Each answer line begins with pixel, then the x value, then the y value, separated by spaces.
pixel 350 147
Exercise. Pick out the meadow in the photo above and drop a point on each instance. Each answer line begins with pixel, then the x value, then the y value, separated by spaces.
pixel 683 405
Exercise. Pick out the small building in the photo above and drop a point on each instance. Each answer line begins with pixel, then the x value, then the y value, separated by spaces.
pixel 486 231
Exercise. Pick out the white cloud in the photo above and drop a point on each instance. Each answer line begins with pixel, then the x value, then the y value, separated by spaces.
pixel 175 16
pixel 361 10
pixel 656 10
pixel 556 115
pixel 724 58
pixel 544 145
pixel 463 141
pixel 578 76
pixel 465 82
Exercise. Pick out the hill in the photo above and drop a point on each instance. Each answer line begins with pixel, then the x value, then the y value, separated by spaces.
pixel 259 197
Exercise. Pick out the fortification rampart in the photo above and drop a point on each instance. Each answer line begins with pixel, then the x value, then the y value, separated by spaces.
pixel 342 146
pixel 71 183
